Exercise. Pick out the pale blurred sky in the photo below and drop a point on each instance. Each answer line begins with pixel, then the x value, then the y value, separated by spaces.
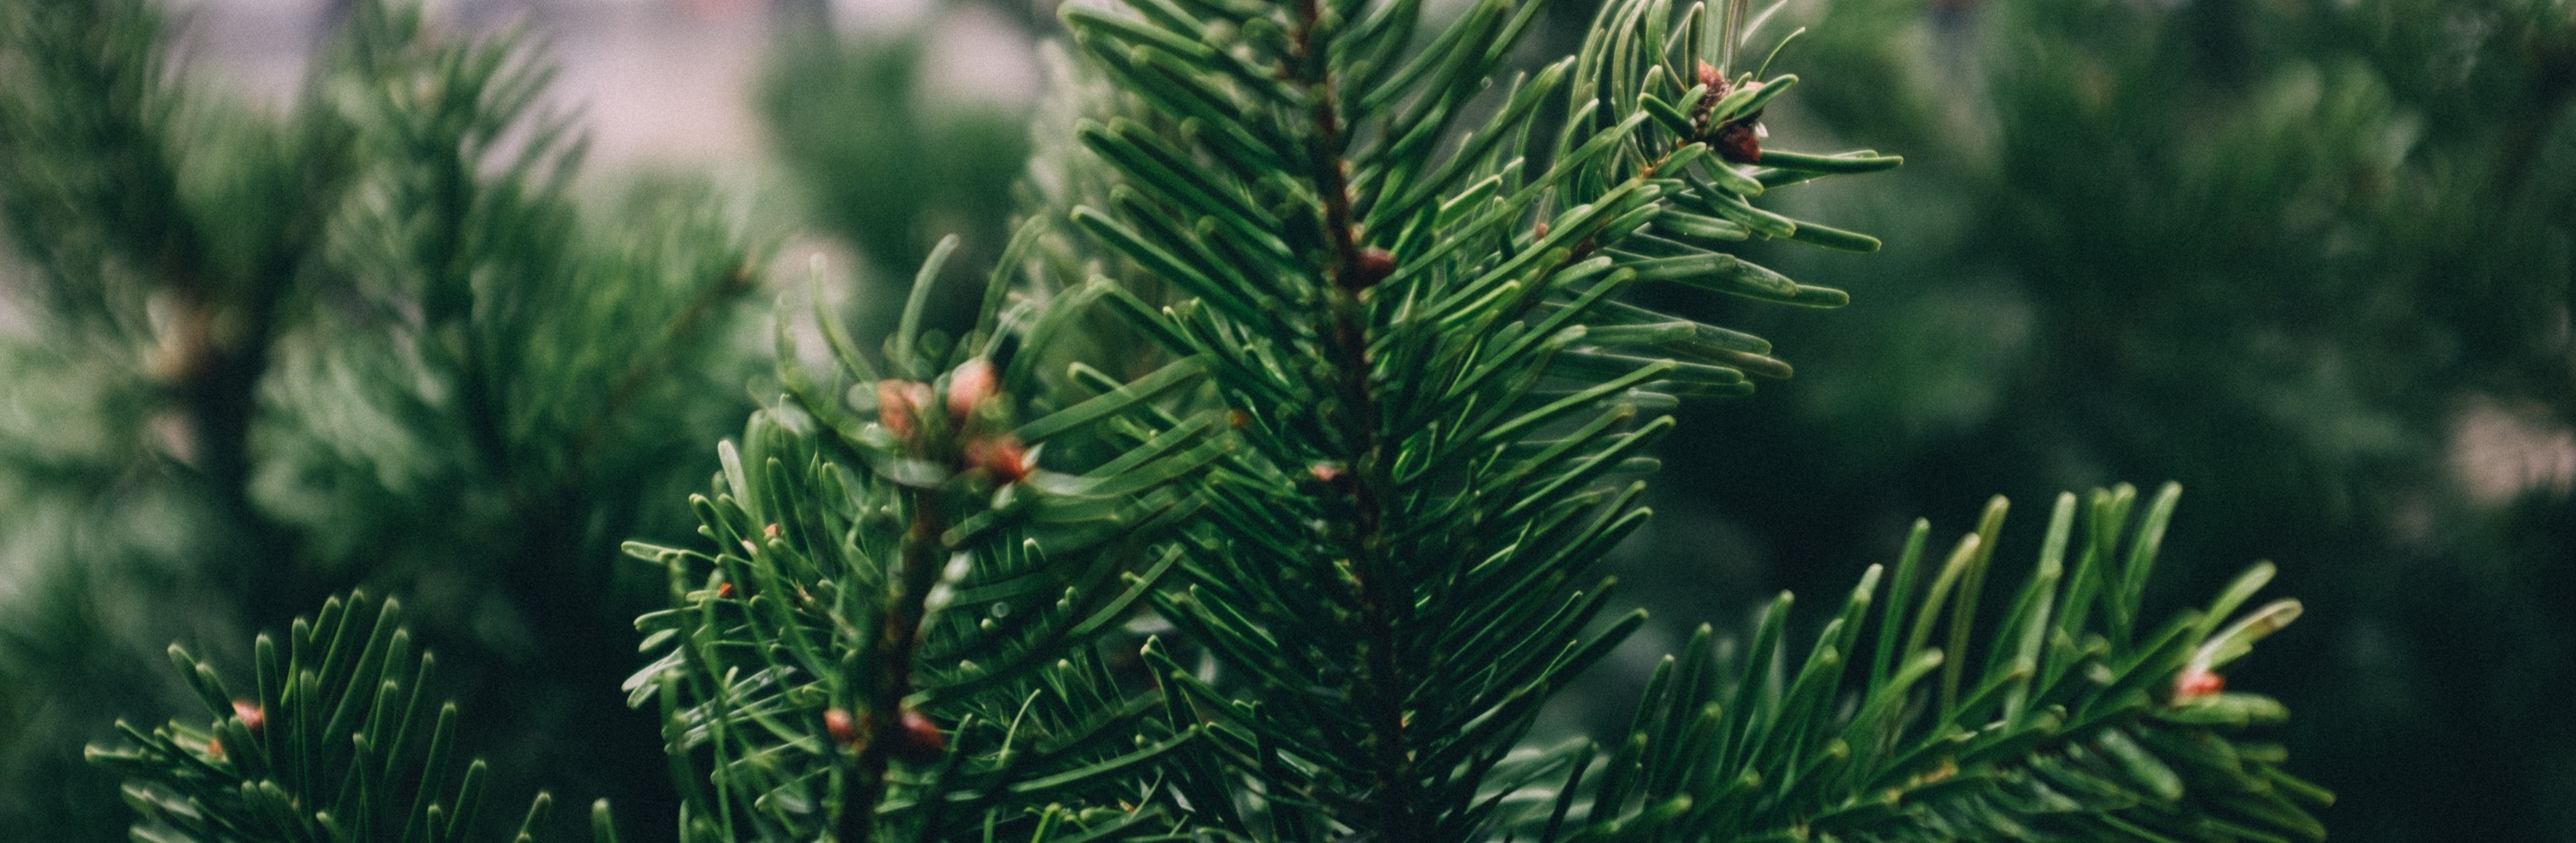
pixel 663 83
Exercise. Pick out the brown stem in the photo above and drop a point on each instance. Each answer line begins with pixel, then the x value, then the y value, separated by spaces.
pixel 217 385
pixel 1381 689
pixel 1383 683
pixel 916 572
pixel 219 351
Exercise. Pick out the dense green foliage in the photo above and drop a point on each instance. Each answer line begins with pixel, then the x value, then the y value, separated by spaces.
pixel 265 357
pixel 268 768
pixel 1261 499
pixel 912 587
pixel 2313 260
pixel 850 120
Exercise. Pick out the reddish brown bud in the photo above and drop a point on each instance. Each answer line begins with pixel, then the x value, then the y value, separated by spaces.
pixel 770 531
pixel 724 591
pixel 1717 89
pixel 897 406
pixel 969 386
pixel 1238 419
pixel 919 741
pixel 215 748
pixel 1737 142
pixel 1001 455
pixel 253 717
pixel 2195 682
pixel 837 723
pixel 1539 231
pixel 1326 472
pixel 1374 265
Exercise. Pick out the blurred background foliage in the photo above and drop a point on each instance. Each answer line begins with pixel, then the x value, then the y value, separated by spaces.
pixel 886 168
pixel 367 340
pixel 2311 258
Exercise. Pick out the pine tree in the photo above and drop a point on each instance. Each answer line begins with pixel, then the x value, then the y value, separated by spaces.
pixel 1314 348
pixel 2302 258
pixel 368 338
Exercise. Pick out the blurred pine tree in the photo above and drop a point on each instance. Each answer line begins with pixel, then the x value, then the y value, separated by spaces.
pixel 887 167
pixel 370 342
pixel 2313 259
pixel 257 359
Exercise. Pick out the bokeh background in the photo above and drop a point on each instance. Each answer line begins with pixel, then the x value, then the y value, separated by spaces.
pixel 2311 258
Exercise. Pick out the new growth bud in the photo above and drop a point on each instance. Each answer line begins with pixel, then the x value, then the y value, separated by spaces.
pixel 899 405
pixel 1374 265
pixel 919 741
pixel 970 386
pixel 915 739
pixel 1003 456
pixel 2196 682
pixel 838 724
pixel 253 718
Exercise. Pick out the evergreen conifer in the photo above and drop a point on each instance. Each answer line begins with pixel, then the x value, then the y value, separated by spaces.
pixel 1259 500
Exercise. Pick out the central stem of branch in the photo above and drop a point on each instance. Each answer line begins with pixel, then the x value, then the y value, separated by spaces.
pixel 1381 690
pixel 916 571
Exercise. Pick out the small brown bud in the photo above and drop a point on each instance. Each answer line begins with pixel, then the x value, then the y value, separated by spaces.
pixel 1539 232
pixel 1327 472
pixel 215 748
pixel 2196 682
pixel 1238 419
pixel 1718 88
pixel 969 386
pixel 1001 455
pixel 1737 142
pixel 769 531
pixel 252 716
pixel 844 731
pixel 919 741
pixel 724 591
pixel 897 407
pixel 1374 265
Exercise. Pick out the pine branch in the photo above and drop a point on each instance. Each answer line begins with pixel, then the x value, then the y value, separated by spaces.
pixel 327 281
pixel 338 744
pixel 104 192
pixel 2076 723
pixel 895 637
pixel 459 205
pixel 1402 415
pixel 86 132
pixel 1426 362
